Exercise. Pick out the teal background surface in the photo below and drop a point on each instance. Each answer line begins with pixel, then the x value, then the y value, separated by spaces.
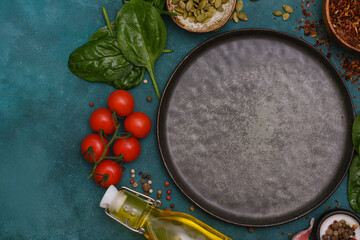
pixel 44 113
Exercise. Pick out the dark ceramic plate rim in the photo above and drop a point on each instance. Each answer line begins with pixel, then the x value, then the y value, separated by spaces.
pixel 316 52
pixel 333 212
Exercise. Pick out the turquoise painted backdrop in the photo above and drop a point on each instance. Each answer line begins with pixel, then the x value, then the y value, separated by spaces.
pixel 44 112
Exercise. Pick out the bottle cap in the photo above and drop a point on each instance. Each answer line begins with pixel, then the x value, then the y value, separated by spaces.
pixel 109 196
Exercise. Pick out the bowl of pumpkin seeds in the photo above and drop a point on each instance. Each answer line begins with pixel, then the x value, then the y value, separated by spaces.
pixel 201 15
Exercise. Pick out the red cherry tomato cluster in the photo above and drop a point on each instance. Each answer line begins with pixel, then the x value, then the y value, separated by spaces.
pixel 126 146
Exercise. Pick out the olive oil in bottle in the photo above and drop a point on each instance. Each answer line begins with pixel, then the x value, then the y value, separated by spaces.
pixel 138 212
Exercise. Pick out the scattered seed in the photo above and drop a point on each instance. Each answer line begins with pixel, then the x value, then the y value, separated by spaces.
pixel 149 182
pixel 242 16
pixel 131 181
pixel 278 13
pixel 133 175
pixel 132 170
pixel 144 175
pixel 149 99
pixel 135 184
pixel 148 176
pixel 143 181
pixel 239 6
pixel 151 191
pixel 166 184
pixel 288 8
pixel 168 191
pixel 159 196
pixel 140 173
pixel 235 17
pixel 251 230
pixel 168 209
pixel 168 198
pixel 145 81
pixel 91 104
pixel 192 208
pixel 172 205
pixel 146 187
pixel 286 16
pixel 159 192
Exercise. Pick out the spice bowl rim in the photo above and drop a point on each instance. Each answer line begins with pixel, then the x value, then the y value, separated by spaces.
pixel 330 29
pixel 330 213
pixel 211 28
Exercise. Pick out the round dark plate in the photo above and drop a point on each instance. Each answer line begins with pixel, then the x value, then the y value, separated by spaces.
pixel 254 126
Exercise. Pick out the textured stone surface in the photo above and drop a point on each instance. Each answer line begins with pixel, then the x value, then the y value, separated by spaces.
pixel 261 116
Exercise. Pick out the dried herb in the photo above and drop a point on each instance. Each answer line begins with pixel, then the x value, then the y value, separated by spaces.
pixel 345 18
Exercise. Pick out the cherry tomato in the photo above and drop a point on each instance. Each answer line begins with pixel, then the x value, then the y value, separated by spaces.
pixel 94 141
pixel 122 102
pixel 102 119
pixel 129 147
pixel 138 123
pixel 110 173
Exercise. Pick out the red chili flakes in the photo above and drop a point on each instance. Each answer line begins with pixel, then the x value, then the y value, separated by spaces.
pixel 91 104
pixel 329 205
pixel 344 15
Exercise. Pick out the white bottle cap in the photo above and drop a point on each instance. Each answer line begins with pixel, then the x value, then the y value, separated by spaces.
pixel 109 196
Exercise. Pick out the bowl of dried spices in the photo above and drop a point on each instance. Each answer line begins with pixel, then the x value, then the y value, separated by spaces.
pixel 202 15
pixel 338 224
pixel 342 22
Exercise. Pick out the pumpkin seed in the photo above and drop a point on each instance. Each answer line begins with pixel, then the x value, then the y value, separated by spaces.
pixel 195 14
pixel 286 16
pixel 198 12
pixel 189 5
pixel 202 11
pixel 209 14
pixel 192 19
pixel 191 14
pixel 182 5
pixel 207 6
pixel 239 6
pixel 201 18
pixel 179 9
pixel 224 1
pixel 235 17
pixel 217 3
pixel 175 2
pixel 202 4
pixel 242 16
pixel 185 15
pixel 288 8
pixel 212 1
pixel 196 1
pixel 278 13
pixel 206 20
pixel 212 9
pixel 220 9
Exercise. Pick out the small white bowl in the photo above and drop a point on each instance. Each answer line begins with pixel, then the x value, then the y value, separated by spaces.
pixel 216 22
pixel 328 218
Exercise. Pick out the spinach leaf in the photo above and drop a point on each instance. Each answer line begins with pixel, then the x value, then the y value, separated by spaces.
pixel 103 32
pixel 354 184
pixel 101 60
pixel 141 34
pixel 356 133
